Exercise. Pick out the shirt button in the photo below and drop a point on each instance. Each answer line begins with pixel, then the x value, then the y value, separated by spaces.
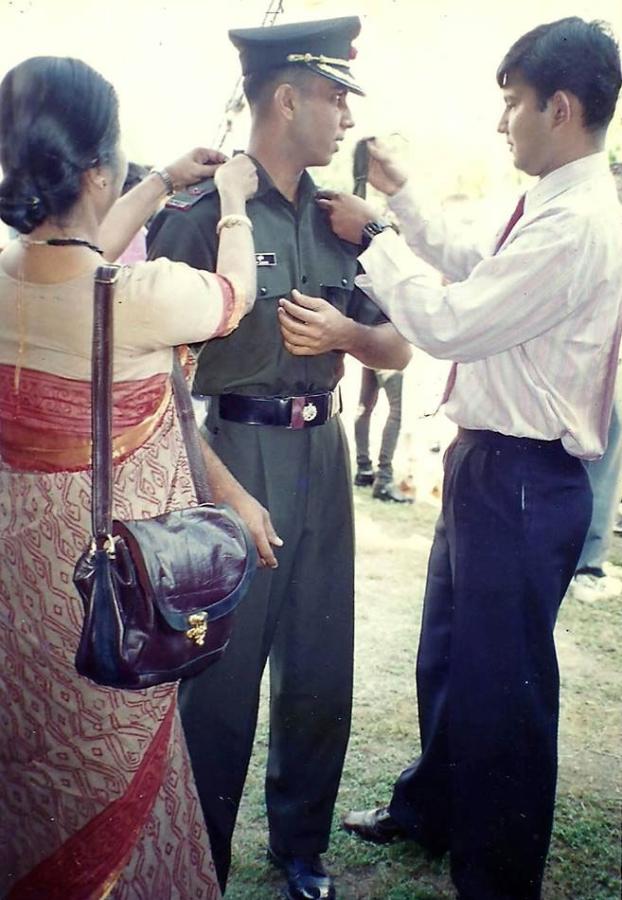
pixel 263 291
pixel 344 282
pixel 304 279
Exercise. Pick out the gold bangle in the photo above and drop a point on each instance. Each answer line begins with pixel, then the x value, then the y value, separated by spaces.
pixel 231 221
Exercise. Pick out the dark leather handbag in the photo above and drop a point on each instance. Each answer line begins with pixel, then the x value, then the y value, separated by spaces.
pixel 159 594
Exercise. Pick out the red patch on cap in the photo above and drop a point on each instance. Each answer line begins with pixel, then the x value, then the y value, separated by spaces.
pixel 353 53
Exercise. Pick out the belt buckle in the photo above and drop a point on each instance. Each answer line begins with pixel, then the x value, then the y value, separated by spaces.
pixel 309 411
pixel 304 412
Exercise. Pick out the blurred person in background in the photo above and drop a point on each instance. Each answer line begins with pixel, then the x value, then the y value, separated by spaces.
pixel 383 486
pixel 591 582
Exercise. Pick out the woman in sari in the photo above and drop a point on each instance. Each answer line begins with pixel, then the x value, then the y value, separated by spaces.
pixel 97 797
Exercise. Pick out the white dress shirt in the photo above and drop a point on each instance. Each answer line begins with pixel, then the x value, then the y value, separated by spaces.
pixel 535 328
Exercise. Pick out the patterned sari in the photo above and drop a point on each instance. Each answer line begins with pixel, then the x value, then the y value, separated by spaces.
pixel 97 797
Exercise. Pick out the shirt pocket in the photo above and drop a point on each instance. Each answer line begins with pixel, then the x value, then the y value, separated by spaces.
pixel 273 283
pixel 336 283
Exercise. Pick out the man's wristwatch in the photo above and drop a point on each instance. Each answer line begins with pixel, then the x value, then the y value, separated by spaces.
pixel 371 229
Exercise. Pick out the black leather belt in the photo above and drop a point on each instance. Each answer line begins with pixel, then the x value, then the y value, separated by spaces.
pixel 286 412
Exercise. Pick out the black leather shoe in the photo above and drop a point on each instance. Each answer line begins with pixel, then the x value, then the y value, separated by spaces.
pixel 307 879
pixel 364 477
pixel 375 825
pixel 390 493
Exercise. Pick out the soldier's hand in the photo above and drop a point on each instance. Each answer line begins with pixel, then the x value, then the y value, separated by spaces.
pixel 347 213
pixel 384 173
pixel 197 165
pixel 237 176
pixel 257 519
pixel 310 325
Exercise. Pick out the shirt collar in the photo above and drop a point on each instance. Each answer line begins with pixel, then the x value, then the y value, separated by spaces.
pixel 265 184
pixel 560 180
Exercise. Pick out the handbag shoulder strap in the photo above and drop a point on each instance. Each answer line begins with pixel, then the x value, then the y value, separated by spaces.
pixel 101 409
pixel 101 400
pixel 190 432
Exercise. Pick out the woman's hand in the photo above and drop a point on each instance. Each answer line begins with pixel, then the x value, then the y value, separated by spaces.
pixel 384 172
pixel 238 176
pixel 197 165
pixel 347 213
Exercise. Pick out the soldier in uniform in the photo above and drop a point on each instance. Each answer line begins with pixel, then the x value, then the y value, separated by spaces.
pixel 274 421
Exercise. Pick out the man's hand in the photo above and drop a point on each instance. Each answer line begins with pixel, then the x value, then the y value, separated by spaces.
pixel 347 213
pixel 384 173
pixel 258 521
pixel 227 489
pixel 311 326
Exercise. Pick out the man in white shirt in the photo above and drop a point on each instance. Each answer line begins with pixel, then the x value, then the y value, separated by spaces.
pixel 533 328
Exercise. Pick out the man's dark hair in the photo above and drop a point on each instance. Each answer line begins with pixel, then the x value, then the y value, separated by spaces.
pixel 259 86
pixel 569 55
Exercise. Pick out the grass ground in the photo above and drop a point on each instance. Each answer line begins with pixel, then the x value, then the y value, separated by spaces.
pixel 584 861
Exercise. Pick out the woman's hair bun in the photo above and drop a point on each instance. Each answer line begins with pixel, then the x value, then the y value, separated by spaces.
pixel 58 118
pixel 20 206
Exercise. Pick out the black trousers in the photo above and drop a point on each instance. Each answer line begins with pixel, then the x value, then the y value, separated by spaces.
pixel 515 514
pixel 300 617
pixel 371 382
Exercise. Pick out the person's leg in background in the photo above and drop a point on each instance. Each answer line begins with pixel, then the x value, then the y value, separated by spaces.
pixel 384 488
pixel 367 401
pixel 590 581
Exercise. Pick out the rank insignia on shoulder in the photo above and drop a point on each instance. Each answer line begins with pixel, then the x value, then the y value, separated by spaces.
pixel 188 198
pixel 265 259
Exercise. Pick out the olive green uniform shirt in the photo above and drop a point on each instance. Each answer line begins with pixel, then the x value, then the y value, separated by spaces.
pixel 295 248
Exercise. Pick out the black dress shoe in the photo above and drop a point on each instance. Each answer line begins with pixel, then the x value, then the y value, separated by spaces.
pixel 307 879
pixel 375 825
pixel 390 493
pixel 364 477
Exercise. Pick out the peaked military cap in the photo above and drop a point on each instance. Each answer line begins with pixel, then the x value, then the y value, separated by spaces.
pixel 324 46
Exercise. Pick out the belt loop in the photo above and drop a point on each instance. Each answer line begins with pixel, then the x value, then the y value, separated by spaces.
pixel 336 405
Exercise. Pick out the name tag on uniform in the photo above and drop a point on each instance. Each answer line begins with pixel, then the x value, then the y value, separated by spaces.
pixel 265 259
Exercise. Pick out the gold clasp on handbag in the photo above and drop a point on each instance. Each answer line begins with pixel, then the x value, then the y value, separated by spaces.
pixel 198 628
pixel 108 546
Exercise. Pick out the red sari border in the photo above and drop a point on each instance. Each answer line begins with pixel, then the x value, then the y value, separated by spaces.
pixel 89 863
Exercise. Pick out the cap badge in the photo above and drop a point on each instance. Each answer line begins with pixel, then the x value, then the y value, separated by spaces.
pixel 310 57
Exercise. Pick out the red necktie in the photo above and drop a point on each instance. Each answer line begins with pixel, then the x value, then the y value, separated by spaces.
pixel 520 208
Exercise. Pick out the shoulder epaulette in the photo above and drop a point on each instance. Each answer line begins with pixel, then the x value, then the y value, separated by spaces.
pixel 190 197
